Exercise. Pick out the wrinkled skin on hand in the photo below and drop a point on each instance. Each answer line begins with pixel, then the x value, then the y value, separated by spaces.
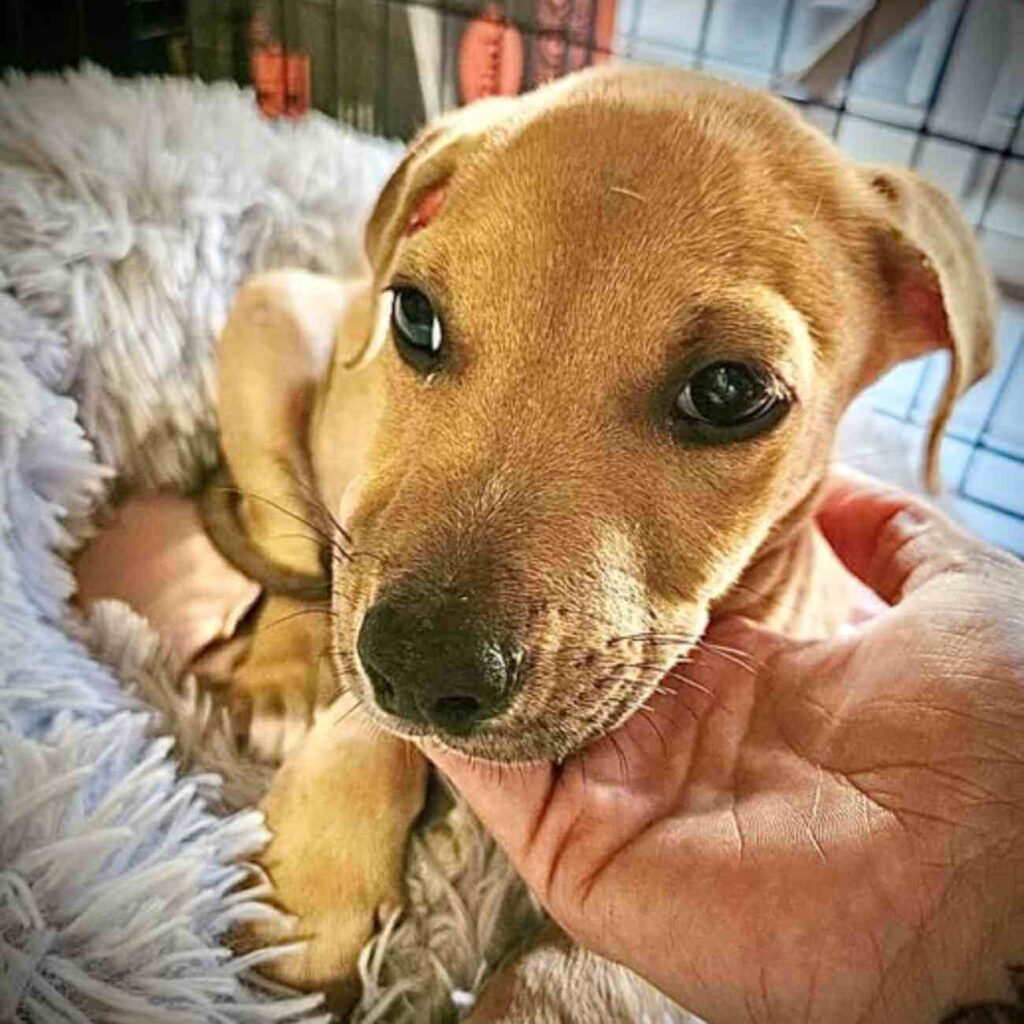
pixel 824 831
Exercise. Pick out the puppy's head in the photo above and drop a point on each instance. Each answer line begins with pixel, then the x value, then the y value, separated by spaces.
pixel 626 313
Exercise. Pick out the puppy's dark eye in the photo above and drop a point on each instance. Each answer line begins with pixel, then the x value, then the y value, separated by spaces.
pixel 729 401
pixel 419 336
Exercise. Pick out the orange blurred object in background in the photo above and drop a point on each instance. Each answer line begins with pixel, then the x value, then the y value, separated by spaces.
pixel 281 77
pixel 490 57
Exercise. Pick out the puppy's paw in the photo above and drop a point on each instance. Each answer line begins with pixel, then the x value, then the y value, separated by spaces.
pixel 277 690
pixel 340 809
pixel 327 943
pixel 272 722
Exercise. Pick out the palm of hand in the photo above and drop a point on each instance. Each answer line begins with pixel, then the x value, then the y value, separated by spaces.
pixel 819 811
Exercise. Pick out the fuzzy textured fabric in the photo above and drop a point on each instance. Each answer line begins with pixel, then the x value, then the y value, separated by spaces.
pixel 129 213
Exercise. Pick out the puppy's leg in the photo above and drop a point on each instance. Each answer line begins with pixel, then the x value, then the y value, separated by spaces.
pixel 272 357
pixel 340 810
pixel 555 982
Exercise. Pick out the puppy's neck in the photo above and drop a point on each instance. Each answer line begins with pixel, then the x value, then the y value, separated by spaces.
pixel 795 586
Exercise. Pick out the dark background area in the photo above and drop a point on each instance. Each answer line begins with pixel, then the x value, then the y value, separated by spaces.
pixel 127 36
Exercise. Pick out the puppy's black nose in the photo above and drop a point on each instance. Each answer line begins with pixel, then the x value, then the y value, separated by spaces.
pixel 436 666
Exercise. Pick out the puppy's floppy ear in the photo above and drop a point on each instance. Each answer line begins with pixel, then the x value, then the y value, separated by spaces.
pixel 938 291
pixel 415 192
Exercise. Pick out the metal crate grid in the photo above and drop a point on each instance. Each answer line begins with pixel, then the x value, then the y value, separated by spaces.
pixel 982 458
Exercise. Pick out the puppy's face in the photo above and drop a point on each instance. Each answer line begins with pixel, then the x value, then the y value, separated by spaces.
pixel 622 329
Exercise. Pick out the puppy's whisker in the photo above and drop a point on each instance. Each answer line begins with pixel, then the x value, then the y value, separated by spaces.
pixel 636 685
pixel 645 714
pixel 294 615
pixel 735 655
pixel 687 681
pixel 314 499
pixel 319 505
pixel 654 637
pixel 357 705
pixel 330 545
pixel 738 651
pixel 297 536
pixel 623 760
pixel 348 711
pixel 655 691
pixel 629 671
pixel 740 659
pixel 319 531
pixel 654 711
pixel 637 681
pixel 656 658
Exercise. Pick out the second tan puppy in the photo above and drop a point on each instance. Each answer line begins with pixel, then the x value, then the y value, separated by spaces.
pixel 621 319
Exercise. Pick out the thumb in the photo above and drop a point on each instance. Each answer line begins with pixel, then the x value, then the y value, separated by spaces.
pixel 891 540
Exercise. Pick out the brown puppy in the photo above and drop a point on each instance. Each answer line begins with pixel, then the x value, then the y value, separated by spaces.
pixel 625 315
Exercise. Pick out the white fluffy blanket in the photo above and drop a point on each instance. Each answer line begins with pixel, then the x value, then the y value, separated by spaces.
pixel 129 212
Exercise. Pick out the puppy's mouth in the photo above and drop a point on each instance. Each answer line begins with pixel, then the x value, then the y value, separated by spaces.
pixel 564 703
pixel 545 737
pixel 534 678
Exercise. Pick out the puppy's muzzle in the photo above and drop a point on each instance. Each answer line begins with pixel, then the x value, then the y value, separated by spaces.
pixel 434 663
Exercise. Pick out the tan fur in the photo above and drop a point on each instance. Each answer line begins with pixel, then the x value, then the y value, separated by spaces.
pixel 340 809
pixel 594 236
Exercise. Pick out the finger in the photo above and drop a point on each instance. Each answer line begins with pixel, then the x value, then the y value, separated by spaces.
pixel 510 799
pixel 889 539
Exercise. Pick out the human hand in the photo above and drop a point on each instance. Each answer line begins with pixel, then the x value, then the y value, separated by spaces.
pixel 822 832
